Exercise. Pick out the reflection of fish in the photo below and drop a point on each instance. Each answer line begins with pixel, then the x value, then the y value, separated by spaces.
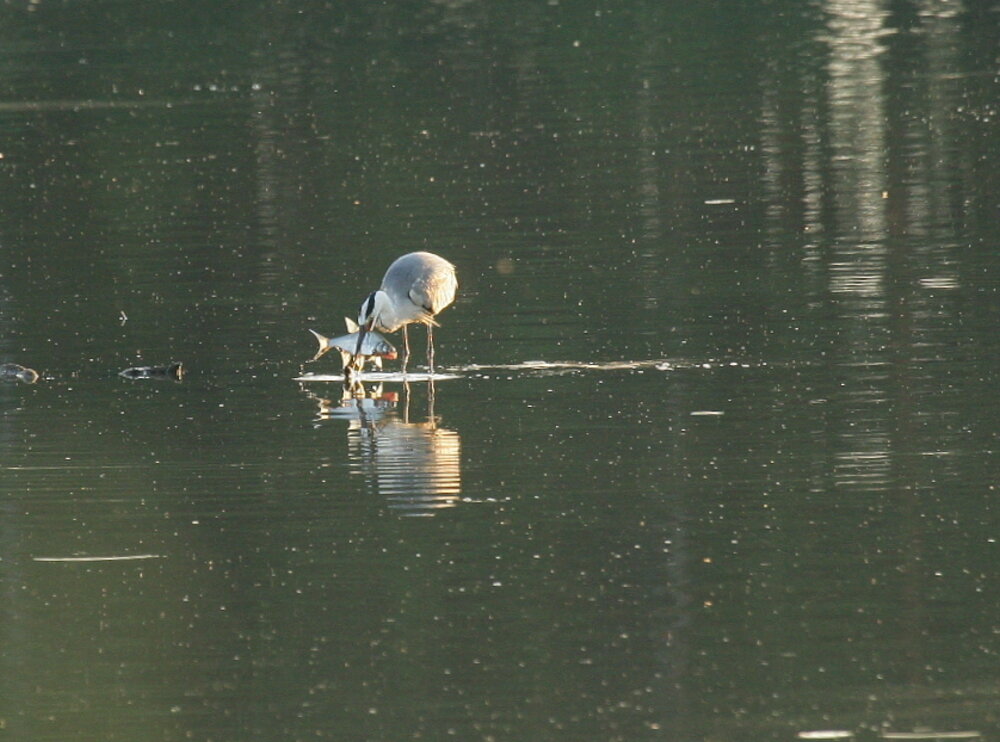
pixel 19 372
pixel 173 371
pixel 366 409
pixel 373 348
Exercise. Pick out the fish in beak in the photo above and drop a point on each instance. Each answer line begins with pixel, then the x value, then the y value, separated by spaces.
pixel 358 360
pixel 356 348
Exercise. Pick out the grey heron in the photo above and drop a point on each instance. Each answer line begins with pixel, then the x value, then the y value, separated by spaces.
pixel 415 288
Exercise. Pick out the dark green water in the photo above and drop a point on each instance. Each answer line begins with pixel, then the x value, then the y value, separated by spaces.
pixel 720 462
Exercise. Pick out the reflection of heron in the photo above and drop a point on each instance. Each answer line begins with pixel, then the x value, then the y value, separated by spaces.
pixel 416 466
pixel 416 287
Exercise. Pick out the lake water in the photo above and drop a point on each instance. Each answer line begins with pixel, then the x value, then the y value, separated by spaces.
pixel 717 458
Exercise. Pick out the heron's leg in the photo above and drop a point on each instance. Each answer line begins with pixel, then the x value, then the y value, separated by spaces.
pixel 430 403
pixel 430 348
pixel 406 348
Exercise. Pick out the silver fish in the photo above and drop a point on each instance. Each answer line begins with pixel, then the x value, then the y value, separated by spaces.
pixel 374 348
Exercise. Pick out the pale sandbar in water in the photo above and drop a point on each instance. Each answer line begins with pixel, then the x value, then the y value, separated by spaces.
pixel 380 377
pixel 125 558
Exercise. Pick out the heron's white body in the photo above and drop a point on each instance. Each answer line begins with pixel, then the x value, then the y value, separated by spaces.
pixel 415 288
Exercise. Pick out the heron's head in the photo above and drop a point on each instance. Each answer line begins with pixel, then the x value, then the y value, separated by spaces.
pixel 369 315
pixel 372 309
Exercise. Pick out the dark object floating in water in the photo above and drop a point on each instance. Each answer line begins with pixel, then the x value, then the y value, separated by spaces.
pixel 18 372
pixel 173 371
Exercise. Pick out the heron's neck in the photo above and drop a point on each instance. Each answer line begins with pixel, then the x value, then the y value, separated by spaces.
pixel 387 320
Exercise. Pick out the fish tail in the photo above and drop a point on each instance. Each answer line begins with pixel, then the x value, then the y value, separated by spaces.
pixel 324 345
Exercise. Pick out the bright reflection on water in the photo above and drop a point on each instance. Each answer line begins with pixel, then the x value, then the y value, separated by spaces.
pixel 415 466
pixel 713 454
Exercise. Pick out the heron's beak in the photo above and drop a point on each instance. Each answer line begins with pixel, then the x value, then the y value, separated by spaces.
pixel 362 331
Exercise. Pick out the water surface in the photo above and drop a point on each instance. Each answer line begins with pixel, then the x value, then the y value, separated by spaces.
pixel 717 454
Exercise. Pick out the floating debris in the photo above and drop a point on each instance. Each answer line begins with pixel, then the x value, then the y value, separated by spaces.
pixel 17 372
pixel 826 734
pixel 173 371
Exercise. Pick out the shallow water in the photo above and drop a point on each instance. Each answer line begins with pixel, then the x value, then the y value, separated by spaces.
pixel 712 449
